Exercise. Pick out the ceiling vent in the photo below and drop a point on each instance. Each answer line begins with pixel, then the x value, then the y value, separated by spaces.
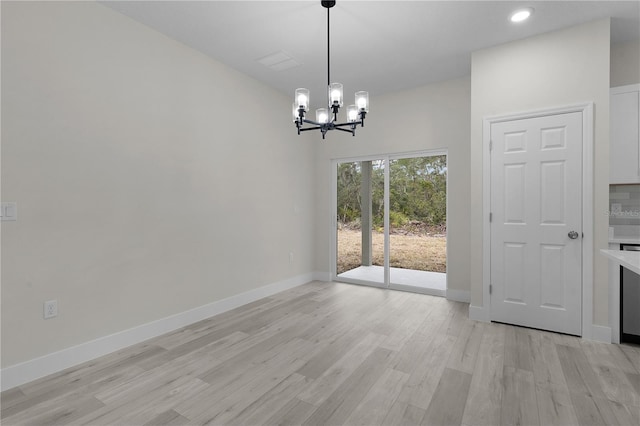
pixel 279 61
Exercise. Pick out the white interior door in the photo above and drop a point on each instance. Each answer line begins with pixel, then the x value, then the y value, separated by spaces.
pixel 536 224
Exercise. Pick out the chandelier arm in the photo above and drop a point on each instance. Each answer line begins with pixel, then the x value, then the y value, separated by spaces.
pixel 310 128
pixel 315 123
pixel 351 123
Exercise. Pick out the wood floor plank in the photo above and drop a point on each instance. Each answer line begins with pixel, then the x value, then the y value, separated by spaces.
pixel 53 414
pixel 519 398
pixel 448 402
pixel 465 351
pixel 206 326
pixel 544 359
pixel 626 415
pixel 70 380
pixel 616 385
pixel 229 406
pixel 634 379
pixel 68 391
pixel 271 402
pixel 154 396
pixel 333 350
pixel 612 368
pixel 11 397
pixel 403 414
pixel 483 407
pixel 412 349
pixel 341 403
pixel 517 349
pixel 455 318
pixel 373 409
pixel 192 363
pixel 237 391
pixel 249 379
pixel 554 405
pixel 253 347
pixel 334 376
pixel 552 392
pixel 295 412
pixel 588 397
pixel 167 418
pixel 627 354
pixel 424 379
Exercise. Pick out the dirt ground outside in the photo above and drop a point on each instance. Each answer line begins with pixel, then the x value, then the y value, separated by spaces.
pixel 418 252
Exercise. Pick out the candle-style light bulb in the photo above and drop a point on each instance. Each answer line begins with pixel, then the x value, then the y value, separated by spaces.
pixel 302 99
pixel 322 115
pixel 352 113
pixel 335 94
pixel 362 101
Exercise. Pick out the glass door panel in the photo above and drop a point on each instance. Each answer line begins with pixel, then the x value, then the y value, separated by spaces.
pixel 360 222
pixel 417 224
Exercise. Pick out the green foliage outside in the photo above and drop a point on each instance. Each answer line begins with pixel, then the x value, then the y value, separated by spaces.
pixel 417 192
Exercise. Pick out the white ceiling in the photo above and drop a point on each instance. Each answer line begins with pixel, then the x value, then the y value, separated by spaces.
pixel 379 46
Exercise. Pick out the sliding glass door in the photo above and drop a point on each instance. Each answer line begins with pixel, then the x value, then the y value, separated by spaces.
pixel 390 222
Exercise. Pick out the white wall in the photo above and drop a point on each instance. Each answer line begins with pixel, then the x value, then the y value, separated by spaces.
pixel 428 118
pixel 561 68
pixel 142 189
pixel 625 63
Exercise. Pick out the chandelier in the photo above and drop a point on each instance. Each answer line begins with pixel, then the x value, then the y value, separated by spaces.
pixel 327 118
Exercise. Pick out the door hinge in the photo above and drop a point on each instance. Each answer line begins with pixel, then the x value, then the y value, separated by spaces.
pixel 490 145
pixel 490 217
pixel 490 288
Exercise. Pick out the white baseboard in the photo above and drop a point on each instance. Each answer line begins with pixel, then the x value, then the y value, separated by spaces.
pixel 479 313
pixel 600 333
pixel 322 276
pixel 459 295
pixel 27 371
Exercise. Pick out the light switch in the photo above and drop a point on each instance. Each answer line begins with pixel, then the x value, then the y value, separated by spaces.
pixel 9 211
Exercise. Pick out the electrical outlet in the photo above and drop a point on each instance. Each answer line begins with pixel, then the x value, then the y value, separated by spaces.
pixel 50 309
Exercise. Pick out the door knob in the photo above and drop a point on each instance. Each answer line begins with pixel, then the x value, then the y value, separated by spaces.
pixel 573 235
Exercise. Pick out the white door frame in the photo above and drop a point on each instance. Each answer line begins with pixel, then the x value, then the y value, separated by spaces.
pixel 334 206
pixel 587 206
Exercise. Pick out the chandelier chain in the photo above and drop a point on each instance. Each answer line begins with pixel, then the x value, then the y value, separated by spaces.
pixel 328 51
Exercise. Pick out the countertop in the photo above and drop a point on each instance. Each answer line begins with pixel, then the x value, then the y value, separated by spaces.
pixel 628 259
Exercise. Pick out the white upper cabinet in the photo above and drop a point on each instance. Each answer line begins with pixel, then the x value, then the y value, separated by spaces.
pixel 625 141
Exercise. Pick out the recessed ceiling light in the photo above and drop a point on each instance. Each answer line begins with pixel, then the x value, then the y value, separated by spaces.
pixel 521 15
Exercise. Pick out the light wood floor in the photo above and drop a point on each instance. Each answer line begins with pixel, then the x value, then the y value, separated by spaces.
pixel 332 354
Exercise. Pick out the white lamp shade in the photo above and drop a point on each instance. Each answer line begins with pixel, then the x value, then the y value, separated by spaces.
pixel 362 101
pixel 295 111
pixel 335 94
pixel 302 99
pixel 322 115
pixel 352 113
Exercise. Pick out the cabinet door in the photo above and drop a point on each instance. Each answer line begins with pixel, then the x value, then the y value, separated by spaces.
pixel 624 144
